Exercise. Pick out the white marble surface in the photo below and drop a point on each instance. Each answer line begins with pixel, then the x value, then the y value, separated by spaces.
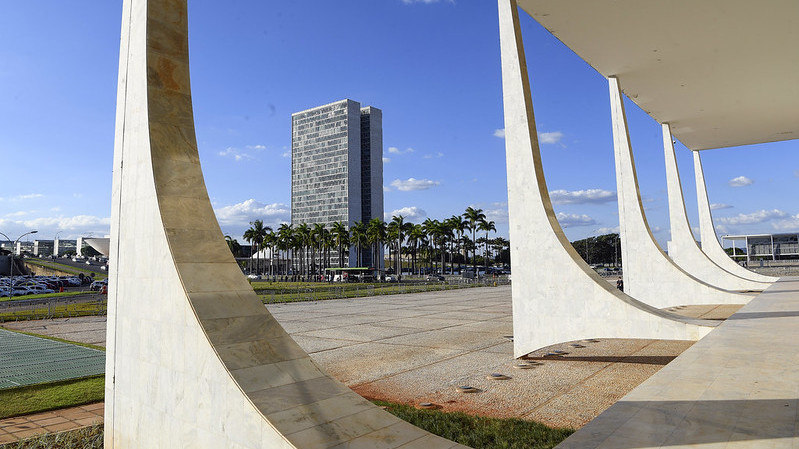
pixel 736 388
pixel 683 249
pixel 556 296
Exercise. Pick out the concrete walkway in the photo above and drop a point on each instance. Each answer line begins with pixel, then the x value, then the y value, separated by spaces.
pixel 736 388
pixel 22 427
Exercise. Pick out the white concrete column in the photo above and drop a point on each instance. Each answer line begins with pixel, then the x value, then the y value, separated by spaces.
pixel 194 359
pixel 707 232
pixel 557 297
pixel 649 275
pixel 683 249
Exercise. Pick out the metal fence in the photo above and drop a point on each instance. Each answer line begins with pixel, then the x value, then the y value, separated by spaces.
pixel 39 309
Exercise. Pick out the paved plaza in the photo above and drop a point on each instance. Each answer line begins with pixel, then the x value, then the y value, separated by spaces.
pixel 420 347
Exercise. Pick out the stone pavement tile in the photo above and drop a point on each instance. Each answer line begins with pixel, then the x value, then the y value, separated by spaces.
pixel 7 438
pixel 359 332
pixel 62 427
pixel 28 433
pixel 89 421
pixel 426 323
pixel 456 337
pixel 370 361
pixel 312 345
pixel 51 421
pixel 97 406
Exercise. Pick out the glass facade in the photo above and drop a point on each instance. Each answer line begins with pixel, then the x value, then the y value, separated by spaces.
pixel 337 165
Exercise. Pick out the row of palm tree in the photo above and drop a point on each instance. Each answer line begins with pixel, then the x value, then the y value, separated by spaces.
pixel 307 250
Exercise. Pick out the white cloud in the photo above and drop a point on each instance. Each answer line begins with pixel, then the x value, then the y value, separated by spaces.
pixel 719 206
pixel 543 138
pixel 23 197
pixel 386 160
pixel 409 213
pixel 789 224
pixel 75 226
pixel 411 184
pixel 256 147
pixel 608 230
pixel 286 154
pixel 570 220
pixel 431 156
pixel 589 196
pixel 241 214
pixel 235 154
pixel 549 138
pixel 497 212
pixel 395 150
pixel 753 218
pixel 796 173
pixel 740 181
pixel 20 213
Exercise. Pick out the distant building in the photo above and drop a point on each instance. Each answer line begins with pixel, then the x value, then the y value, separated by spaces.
pixel 337 167
pixel 765 246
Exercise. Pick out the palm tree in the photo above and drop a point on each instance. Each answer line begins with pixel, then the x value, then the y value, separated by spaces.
pixel 375 236
pixel 358 239
pixel 473 216
pixel 415 239
pixel 285 235
pixel 270 241
pixel 342 238
pixel 302 239
pixel 430 228
pixel 486 226
pixel 403 228
pixel 234 245
pixel 255 234
pixel 317 236
pixel 459 226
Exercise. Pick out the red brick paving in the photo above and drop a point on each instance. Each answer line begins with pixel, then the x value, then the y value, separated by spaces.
pixel 22 427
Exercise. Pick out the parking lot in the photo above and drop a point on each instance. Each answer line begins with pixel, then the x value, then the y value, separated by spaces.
pixel 27 285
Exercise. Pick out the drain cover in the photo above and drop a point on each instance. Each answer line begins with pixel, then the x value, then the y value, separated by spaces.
pixel 426 405
pixel 577 345
pixel 467 389
pixel 525 365
pixel 497 376
pixel 508 337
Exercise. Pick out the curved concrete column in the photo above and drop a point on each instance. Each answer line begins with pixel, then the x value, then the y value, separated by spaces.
pixel 707 232
pixel 556 296
pixel 683 249
pixel 649 275
pixel 194 359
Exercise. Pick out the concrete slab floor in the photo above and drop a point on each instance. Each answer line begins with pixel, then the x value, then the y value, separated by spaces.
pixel 419 347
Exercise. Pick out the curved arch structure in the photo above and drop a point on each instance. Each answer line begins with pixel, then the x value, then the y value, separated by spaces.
pixel 194 359
pixel 649 274
pixel 561 298
pixel 683 249
pixel 707 232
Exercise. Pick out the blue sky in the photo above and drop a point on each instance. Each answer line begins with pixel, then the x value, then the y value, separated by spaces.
pixel 431 66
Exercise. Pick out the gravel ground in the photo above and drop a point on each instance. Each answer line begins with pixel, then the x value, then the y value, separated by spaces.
pixel 420 347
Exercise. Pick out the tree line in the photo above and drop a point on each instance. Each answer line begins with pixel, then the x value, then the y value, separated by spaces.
pixel 306 250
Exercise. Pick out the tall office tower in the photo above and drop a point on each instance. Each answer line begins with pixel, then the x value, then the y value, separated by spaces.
pixel 337 168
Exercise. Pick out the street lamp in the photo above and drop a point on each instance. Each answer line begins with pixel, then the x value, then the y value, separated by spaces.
pixel 11 259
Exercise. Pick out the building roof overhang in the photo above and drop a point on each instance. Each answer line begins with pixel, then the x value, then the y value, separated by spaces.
pixel 721 72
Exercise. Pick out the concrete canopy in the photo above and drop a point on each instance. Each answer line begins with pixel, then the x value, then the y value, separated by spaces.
pixel 720 72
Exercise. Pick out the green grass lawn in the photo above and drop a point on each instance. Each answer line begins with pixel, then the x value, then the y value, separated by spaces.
pixel 40 398
pixel 480 432
pixel 476 432
pixel 58 311
pixel 277 292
